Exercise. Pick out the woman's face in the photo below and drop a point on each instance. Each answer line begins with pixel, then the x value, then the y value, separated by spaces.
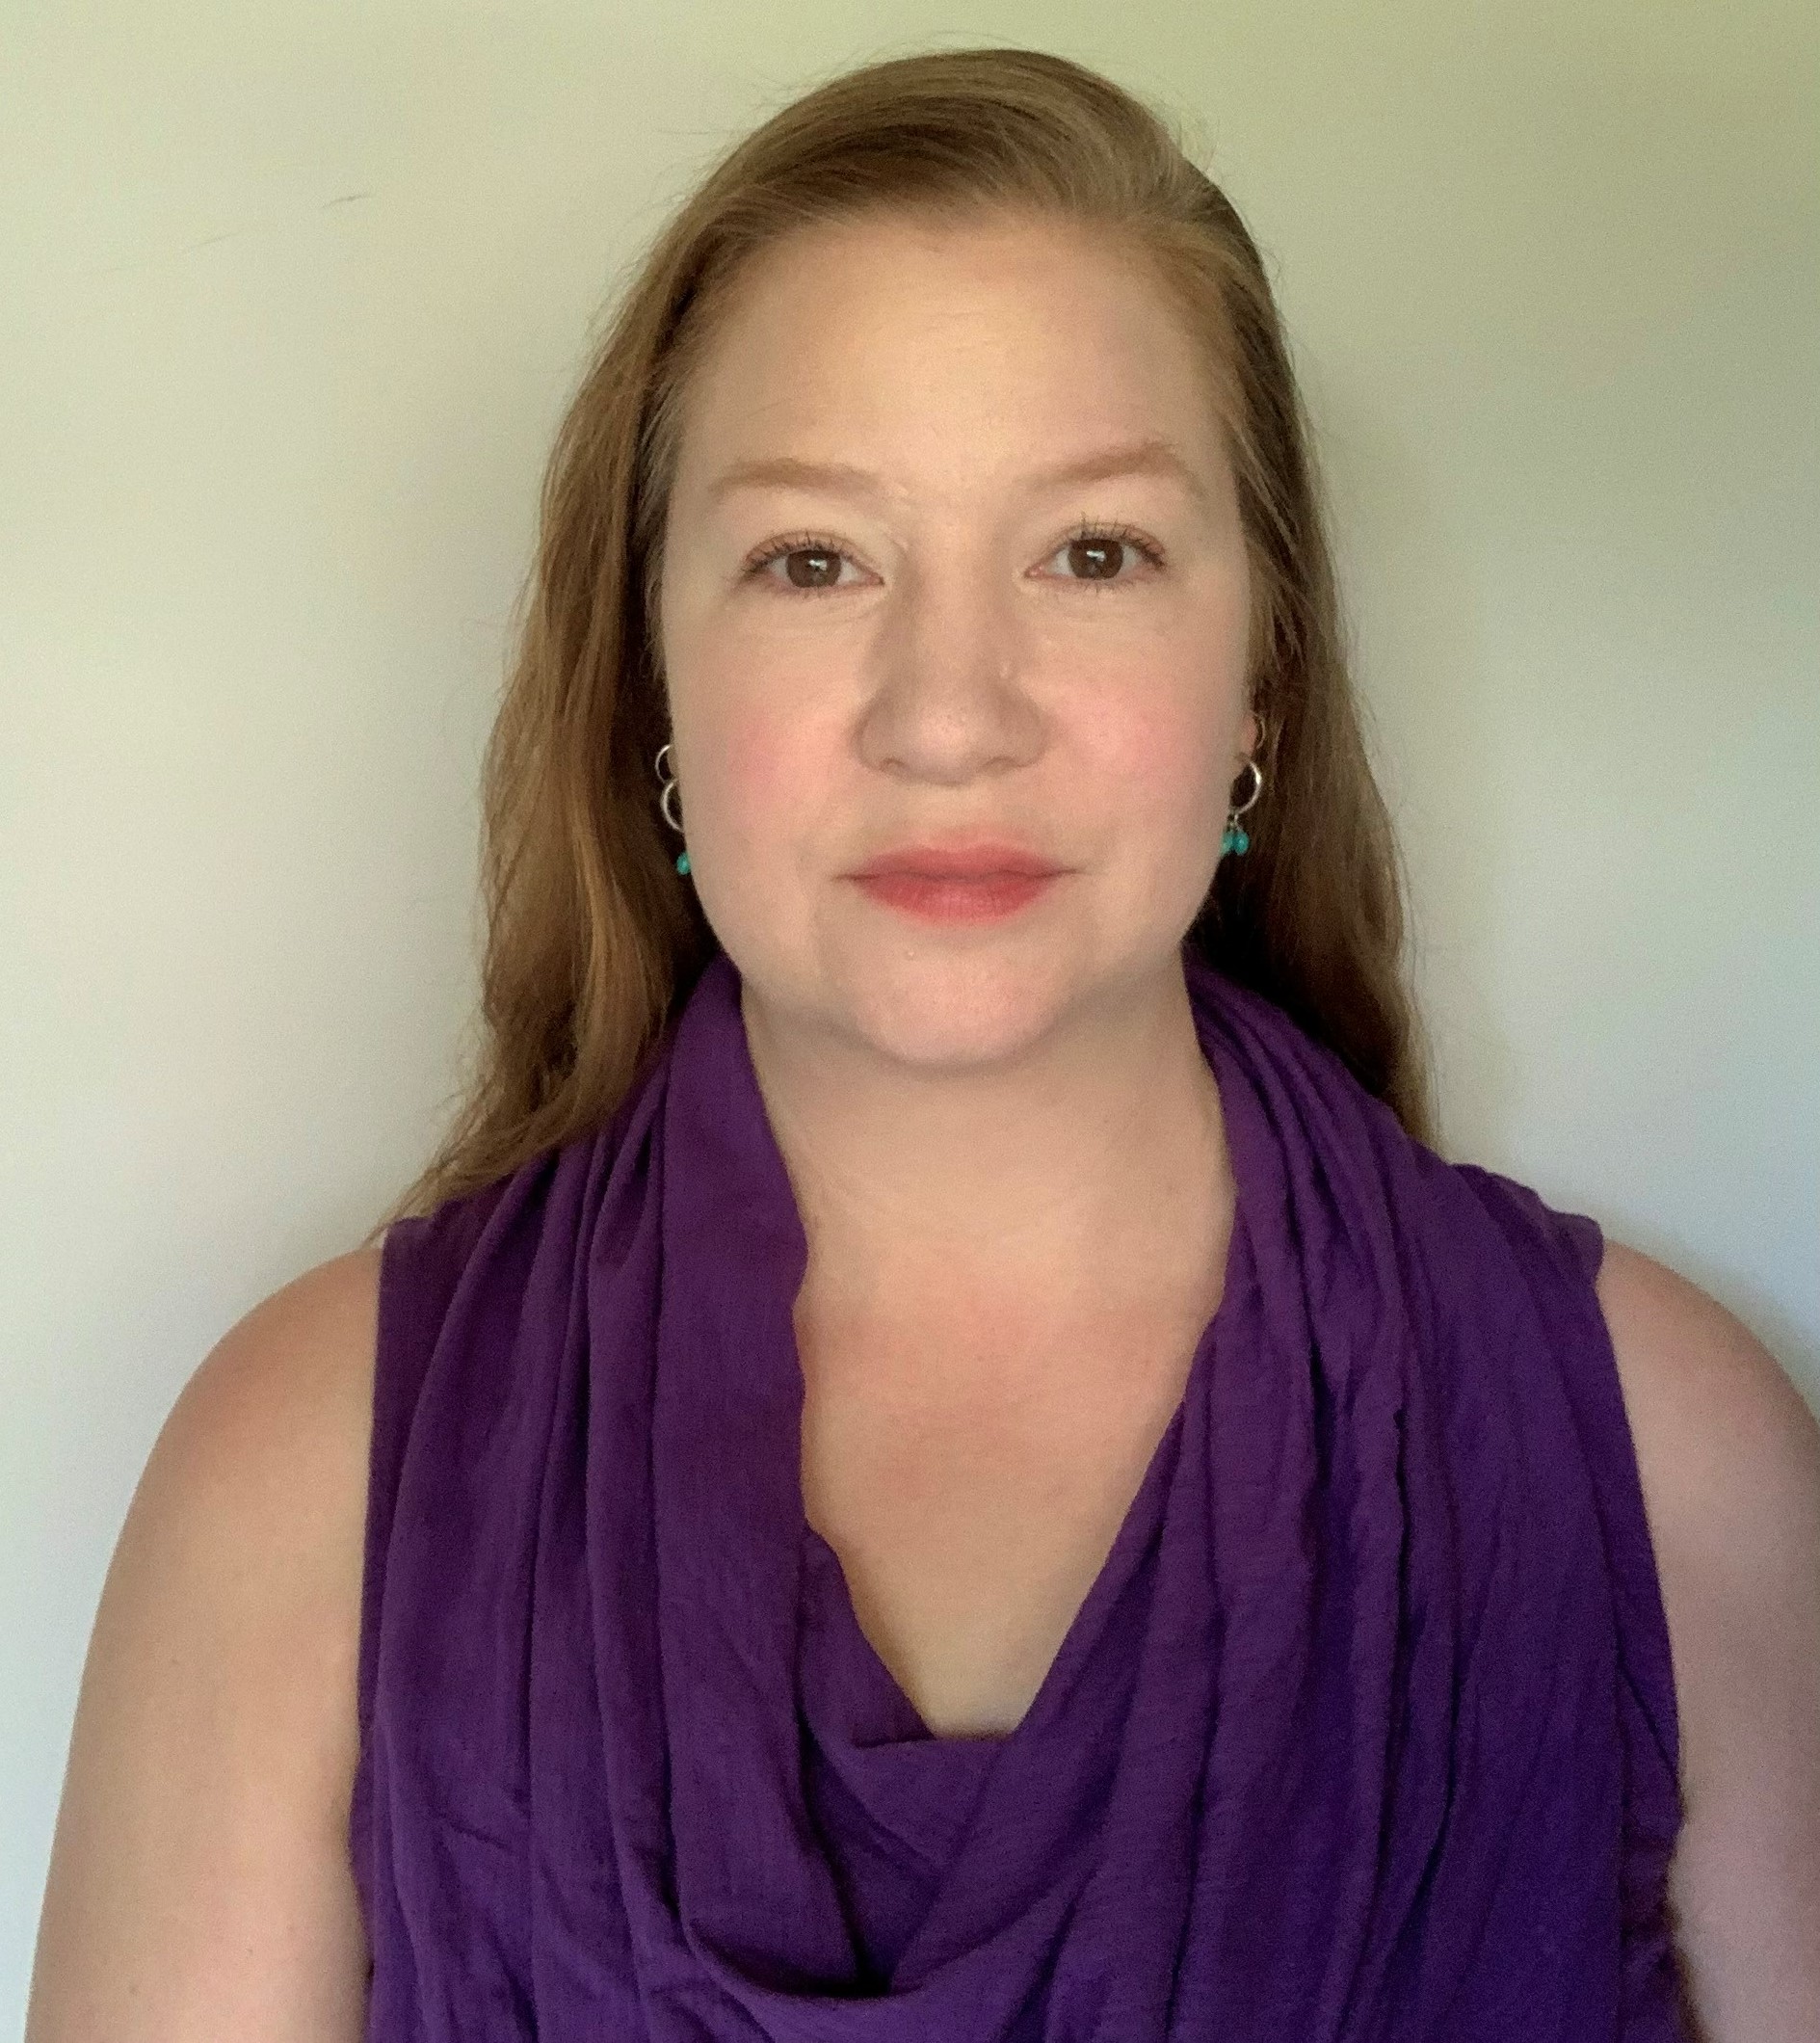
pixel 952 554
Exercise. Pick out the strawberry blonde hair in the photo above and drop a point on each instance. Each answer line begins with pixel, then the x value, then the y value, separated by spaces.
pixel 593 939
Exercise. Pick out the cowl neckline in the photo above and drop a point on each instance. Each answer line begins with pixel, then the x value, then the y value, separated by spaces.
pixel 1363 1731
pixel 898 1801
pixel 884 1714
pixel 1036 1852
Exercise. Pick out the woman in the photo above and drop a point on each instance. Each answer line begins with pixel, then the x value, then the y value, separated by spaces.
pixel 935 1457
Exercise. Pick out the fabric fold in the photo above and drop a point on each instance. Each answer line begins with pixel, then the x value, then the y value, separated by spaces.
pixel 1365 1729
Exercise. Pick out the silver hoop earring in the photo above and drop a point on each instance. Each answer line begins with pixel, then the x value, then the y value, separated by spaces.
pixel 1237 840
pixel 666 803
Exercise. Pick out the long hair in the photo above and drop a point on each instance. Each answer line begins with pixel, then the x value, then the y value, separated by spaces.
pixel 592 941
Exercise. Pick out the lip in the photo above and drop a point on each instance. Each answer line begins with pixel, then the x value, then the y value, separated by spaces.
pixel 977 859
pixel 977 899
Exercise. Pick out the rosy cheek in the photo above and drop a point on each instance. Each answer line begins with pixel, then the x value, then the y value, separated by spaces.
pixel 762 775
pixel 1163 752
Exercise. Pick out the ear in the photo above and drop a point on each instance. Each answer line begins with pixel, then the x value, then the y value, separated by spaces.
pixel 1251 731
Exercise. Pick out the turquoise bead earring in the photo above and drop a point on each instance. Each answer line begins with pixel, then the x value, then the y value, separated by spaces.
pixel 1237 838
pixel 666 801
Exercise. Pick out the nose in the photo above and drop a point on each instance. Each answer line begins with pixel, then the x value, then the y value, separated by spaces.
pixel 949 700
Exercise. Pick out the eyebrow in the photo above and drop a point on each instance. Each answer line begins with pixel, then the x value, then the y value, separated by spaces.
pixel 1145 456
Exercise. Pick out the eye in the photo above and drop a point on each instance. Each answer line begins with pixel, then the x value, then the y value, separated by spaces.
pixel 1101 553
pixel 808 564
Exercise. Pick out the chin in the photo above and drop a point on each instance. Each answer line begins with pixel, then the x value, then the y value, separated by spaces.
pixel 946 995
pixel 941 1006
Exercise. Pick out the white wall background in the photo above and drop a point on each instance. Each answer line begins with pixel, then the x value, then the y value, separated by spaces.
pixel 292 301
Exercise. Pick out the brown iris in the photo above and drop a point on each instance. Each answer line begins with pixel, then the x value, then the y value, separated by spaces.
pixel 1096 560
pixel 812 568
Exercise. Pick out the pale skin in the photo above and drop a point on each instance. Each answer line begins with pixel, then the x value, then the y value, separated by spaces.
pixel 1006 1146
pixel 1005 1141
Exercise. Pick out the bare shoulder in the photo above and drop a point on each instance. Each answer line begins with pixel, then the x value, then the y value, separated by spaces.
pixel 1728 1454
pixel 296 1373
pixel 199 1880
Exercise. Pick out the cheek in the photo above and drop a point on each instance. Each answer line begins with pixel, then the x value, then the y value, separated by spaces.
pixel 1159 754
pixel 1159 725
pixel 739 764
pixel 764 773
pixel 1171 805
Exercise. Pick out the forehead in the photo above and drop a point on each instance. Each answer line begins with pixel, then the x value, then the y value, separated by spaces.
pixel 944 355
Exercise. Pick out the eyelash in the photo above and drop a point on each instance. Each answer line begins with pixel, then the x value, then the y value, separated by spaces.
pixel 1087 530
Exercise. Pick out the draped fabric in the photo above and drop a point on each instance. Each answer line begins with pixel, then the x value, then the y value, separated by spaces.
pixel 1365 1729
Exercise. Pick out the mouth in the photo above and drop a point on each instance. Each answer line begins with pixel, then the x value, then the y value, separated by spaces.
pixel 969 883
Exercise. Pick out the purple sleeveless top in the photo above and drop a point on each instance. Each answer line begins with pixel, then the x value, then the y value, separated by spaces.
pixel 1364 1730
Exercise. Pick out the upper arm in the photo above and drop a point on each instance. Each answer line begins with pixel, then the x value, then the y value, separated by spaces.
pixel 1729 1458
pixel 200 1885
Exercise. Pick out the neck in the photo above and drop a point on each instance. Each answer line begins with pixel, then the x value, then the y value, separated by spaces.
pixel 1093 1165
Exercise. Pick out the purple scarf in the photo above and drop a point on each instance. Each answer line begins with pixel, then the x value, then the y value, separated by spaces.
pixel 1365 1731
